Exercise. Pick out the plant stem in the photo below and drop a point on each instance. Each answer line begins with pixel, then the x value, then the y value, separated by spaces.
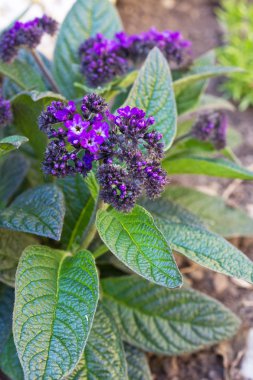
pixel 100 251
pixel 91 229
pixel 45 71
pixel 183 137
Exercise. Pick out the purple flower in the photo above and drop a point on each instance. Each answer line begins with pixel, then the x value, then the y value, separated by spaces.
pixel 55 113
pixel 66 112
pixel 101 61
pixel 137 47
pixel 101 130
pixel 130 152
pixel 91 142
pixel 26 34
pixel 76 139
pixel 5 112
pixel 211 126
pixel 93 104
pixel 117 187
pixel 133 147
pixel 77 128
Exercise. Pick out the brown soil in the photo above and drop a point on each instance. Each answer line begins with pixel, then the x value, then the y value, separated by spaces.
pixel 196 19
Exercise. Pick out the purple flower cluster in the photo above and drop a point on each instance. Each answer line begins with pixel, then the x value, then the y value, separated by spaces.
pixel 131 160
pixel 129 152
pixel 26 34
pixel 103 59
pixel 136 47
pixel 75 139
pixel 100 60
pixel 5 112
pixel 211 126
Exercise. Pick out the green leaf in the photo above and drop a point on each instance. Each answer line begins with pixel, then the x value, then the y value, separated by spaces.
pixel 188 236
pixel 85 19
pixel 79 207
pixel 113 88
pixel 203 72
pixel 56 299
pixel 23 75
pixel 6 308
pixel 9 361
pixel 38 211
pixel 135 240
pixel 12 245
pixel 13 170
pixel 26 109
pixel 213 211
pixel 153 92
pixel 159 320
pixel 189 97
pixel 10 143
pixel 214 167
pixel 103 357
pixel 137 364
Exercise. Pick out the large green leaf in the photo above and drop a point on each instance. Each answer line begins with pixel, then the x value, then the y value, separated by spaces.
pixel 13 170
pixel 153 92
pixel 135 240
pixel 38 211
pixel 103 357
pixel 6 308
pixel 79 208
pixel 166 321
pixel 85 19
pixel 137 364
pixel 189 237
pixel 213 211
pixel 12 245
pixel 9 361
pixel 10 143
pixel 26 110
pixel 55 302
pixel 23 75
pixel 214 167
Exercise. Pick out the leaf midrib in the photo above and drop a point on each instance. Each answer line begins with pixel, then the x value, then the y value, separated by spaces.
pixel 55 307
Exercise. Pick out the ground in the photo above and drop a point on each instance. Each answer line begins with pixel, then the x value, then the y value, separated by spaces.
pixel 196 20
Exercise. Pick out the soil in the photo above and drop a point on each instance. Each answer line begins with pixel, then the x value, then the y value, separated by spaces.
pixel 196 20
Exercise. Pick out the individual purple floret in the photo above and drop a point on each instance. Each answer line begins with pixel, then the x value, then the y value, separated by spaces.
pixel 5 112
pixel 101 61
pixel 211 126
pixel 25 34
pixel 138 151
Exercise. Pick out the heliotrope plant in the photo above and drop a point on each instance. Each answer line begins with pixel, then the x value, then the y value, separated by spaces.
pixel 90 218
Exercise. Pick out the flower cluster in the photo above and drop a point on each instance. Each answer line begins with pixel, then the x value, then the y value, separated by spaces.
pixel 103 59
pixel 129 150
pixel 211 126
pixel 136 47
pixel 75 139
pixel 131 160
pixel 26 34
pixel 5 112
pixel 100 60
